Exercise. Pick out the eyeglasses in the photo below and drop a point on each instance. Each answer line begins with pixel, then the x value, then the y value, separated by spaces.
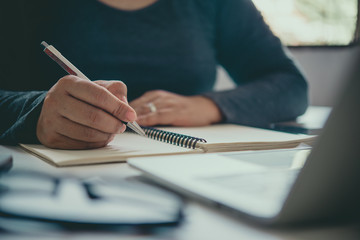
pixel 68 199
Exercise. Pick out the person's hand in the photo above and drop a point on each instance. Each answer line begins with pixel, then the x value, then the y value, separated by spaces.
pixel 165 108
pixel 80 114
pixel 116 87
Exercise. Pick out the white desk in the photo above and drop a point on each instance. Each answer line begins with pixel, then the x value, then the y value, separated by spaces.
pixel 200 222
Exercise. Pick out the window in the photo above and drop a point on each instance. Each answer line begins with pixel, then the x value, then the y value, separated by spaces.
pixel 312 22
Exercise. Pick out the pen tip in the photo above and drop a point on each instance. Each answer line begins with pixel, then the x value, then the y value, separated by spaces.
pixel 43 43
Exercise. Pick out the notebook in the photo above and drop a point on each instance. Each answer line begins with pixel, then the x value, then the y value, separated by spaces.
pixel 174 140
pixel 277 187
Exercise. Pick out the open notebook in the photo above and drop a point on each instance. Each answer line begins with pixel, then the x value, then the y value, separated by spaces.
pixel 174 140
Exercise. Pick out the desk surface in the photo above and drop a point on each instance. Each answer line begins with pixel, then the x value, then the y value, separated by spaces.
pixel 200 222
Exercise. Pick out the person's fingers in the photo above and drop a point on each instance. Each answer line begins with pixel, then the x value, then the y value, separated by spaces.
pixel 98 96
pixel 147 98
pixel 161 117
pixel 83 133
pixel 158 99
pixel 116 87
pixel 63 142
pixel 90 116
pixel 149 107
pixel 51 138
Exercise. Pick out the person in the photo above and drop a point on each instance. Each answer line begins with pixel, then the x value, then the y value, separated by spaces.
pixel 153 61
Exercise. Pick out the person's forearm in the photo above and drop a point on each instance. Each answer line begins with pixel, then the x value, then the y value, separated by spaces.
pixel 273 98
pixel 19 112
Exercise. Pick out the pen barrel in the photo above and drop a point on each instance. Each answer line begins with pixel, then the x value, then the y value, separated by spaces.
pixel 63 62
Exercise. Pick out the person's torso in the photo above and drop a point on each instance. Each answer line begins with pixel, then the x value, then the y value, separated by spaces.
pixel 169 45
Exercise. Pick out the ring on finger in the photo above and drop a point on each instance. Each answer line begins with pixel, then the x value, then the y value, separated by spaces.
pixel 152 107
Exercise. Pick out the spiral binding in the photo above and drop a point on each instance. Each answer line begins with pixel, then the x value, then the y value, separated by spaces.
pixel 172 138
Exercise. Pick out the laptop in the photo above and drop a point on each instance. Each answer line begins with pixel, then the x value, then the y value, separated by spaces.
pixel 278 187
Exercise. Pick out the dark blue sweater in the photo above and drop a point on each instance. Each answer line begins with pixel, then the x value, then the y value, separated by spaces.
pixel 174 45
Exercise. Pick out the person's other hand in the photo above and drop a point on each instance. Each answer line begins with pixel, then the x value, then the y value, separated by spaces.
pixel 160 107
pixel 80 114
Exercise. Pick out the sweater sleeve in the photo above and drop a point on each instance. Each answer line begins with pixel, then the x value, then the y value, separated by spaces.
pixel 19 113
pixel 270 87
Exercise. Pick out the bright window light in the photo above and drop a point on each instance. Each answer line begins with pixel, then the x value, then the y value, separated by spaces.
pixel 311 22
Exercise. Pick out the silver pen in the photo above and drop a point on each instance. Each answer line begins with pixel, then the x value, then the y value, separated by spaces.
pixel 71 69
